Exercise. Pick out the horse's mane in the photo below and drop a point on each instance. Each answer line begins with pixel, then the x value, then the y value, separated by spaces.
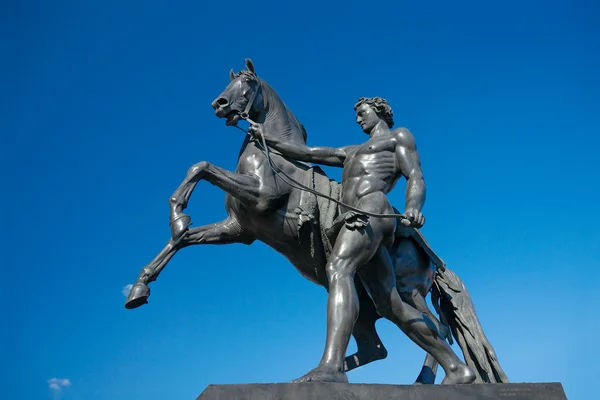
pixel 245 73
pixel 277 105
pixel 274 99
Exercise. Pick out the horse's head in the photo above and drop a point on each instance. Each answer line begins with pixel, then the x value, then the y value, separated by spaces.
pixel 239 96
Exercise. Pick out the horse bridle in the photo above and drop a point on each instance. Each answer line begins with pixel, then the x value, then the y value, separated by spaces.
pixel 246 113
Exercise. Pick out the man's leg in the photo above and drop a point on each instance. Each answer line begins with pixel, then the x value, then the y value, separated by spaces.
pixel 353 249
pixel 378 278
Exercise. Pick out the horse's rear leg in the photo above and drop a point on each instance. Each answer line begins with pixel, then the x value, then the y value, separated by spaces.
pixel 224 232
pixel 246 188
pixel 430 365
pixel 369 345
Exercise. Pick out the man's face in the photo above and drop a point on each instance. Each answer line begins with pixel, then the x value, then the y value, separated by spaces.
pixel 366 118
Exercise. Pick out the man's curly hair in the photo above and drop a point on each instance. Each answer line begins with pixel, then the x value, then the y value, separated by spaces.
pixel 380 106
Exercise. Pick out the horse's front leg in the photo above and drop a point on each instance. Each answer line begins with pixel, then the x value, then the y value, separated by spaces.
pixel 246 188
pixel 224 232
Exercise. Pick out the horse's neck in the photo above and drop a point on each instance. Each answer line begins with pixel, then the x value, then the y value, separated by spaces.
pixel 278 121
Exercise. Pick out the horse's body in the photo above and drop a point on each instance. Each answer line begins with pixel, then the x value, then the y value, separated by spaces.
pixel 261 206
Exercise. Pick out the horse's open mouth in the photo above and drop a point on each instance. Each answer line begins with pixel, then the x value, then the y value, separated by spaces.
pixel 232 118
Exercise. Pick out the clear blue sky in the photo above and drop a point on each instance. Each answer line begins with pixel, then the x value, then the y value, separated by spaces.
pixel 109 104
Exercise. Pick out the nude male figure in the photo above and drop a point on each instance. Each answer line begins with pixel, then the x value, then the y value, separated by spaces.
pixel 371 170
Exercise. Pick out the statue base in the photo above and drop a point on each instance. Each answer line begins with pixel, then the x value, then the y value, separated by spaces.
pixel 344 391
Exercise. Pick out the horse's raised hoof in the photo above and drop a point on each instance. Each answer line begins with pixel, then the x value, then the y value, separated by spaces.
pixel 459 375
pixel 179 225
pixel 323 373
pixel 138 296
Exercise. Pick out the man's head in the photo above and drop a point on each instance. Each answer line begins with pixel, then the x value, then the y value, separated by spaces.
pixel 370 110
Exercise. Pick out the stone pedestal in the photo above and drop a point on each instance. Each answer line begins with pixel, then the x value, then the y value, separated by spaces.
pixel 342 391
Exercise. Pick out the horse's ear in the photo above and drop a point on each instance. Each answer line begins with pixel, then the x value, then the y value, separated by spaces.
pixel 231 74
pixel 250 66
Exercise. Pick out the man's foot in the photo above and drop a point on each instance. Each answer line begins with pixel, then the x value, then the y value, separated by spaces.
pixel 323 373
pixel 179 224
pixel 460 374
pixel 138 296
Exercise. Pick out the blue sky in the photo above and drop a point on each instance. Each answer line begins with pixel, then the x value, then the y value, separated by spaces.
pixel 109 104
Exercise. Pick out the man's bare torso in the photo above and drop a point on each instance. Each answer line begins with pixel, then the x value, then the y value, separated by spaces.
pixel 370 167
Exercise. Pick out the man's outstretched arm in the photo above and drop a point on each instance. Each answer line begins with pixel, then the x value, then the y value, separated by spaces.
pixel 409 164
pixel 298 151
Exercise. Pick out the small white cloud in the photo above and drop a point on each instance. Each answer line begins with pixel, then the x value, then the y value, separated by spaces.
pixel 126 290
pixel 57 384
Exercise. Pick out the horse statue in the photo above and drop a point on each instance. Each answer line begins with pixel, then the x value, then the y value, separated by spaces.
pixel 297 223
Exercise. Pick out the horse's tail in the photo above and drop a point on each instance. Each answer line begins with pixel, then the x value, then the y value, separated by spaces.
pixel 455 307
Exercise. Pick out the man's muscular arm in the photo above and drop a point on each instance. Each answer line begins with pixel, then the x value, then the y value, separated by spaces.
pixel 319 155
pixel 409 164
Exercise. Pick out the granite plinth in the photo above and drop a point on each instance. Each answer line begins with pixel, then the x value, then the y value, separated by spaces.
pixel 342 391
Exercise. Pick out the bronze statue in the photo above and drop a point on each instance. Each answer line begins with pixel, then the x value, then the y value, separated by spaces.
pixel 293 208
